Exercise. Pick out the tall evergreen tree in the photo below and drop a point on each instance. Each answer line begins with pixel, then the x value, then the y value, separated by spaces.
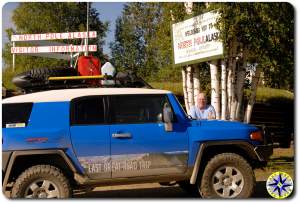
pixel 135 32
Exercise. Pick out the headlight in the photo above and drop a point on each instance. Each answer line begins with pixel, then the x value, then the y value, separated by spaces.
pixel 257 135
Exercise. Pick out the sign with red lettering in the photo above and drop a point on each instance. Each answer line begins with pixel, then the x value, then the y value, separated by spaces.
pixel 49 49
pixel 53 36
pixel 196 39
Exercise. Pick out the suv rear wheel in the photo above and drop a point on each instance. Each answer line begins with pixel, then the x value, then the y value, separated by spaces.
pixel 227 175
pixel 41 181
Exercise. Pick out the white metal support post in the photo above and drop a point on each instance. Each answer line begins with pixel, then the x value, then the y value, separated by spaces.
pixel 87 30
pixel 14 58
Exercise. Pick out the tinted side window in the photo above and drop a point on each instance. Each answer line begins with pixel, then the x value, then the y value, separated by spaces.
pixel 137 108
pixel 88 111
pixel 16 113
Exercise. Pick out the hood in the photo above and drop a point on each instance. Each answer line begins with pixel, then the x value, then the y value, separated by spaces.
pixel 220 130
pixel 222 123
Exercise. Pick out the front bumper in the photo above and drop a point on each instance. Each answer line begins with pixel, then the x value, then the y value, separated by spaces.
pixel 264 152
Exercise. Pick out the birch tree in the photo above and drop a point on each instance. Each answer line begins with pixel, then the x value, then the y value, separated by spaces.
pixel 232 81
pixel 185 95
pixel 251 100
pixel 189 71
pixel 223 90
pixel 196 81
pixel 245 27
pixel 241 74
pixel 215 87
pixel 190 86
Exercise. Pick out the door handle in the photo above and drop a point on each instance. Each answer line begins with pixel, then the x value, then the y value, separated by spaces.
pixel 121 135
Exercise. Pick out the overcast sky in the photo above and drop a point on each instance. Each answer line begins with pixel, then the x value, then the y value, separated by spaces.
pixel 109 11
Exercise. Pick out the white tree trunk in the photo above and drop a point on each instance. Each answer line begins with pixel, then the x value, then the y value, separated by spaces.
pixel 232 82
pixel 190 88
pixel 231 92
pixel 184 86
pixel 188 73
pixel 229 76
pixel 251 101
pixel 215 88
pixel 196 80
pixel 240 87
pixel 224 88
pixel 229 87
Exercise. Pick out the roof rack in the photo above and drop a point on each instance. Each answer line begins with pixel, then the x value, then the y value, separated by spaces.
pixel 96 81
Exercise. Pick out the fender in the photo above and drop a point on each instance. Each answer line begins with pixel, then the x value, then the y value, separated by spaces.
pixel 16 154
pixel 247 147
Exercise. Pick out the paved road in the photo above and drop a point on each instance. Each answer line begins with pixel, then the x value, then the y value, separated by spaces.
pixel 153 191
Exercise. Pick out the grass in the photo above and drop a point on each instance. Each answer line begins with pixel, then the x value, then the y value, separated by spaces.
pixel 175 87
pixel 264 94
pixel 281 160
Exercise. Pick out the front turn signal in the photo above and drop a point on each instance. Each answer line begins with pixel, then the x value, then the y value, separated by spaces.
pixel 256 136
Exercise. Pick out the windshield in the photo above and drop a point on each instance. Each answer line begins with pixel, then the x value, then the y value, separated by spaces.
pixel 183 110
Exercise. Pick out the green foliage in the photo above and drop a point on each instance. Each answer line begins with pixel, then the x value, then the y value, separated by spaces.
pixel 266 94
pixel 135 31
pixel 7 75
pixel 46 17
pixel 175 87
pixel 143 39
pixel 143 36
pixel 163 44
pixel 266 30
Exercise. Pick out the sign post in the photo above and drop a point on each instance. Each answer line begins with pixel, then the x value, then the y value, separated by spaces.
pixel 86 53
pixel 14 57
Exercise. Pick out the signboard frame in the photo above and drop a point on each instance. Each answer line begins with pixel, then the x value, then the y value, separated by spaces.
pixel 221 56
pixel 52 36
pixel 54 50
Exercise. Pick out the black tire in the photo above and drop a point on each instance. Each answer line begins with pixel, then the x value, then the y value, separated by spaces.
pixel 191 189
pixel 224 184
pixel 30 183
pixel 38 77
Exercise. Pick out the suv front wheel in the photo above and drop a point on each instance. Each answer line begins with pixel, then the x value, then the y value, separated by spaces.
pixel 41 181
pixel 227 175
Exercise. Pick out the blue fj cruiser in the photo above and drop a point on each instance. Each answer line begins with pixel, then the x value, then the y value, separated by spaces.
pixel 58 141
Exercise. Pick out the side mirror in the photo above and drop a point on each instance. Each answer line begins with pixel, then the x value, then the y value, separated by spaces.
pixel 159 117
pixel 168 117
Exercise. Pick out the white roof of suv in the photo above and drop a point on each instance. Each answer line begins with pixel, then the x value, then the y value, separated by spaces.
pixel 69 94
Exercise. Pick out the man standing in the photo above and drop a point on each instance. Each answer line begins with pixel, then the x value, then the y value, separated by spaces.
pixel 202 111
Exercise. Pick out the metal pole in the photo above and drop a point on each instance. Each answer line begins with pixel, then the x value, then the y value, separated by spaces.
pixel 71 60
pixel 14 58
pixel 87 30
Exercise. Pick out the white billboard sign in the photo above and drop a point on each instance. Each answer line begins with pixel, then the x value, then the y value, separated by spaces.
pixel 49 49
pixel 196 39
pixel 53 36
